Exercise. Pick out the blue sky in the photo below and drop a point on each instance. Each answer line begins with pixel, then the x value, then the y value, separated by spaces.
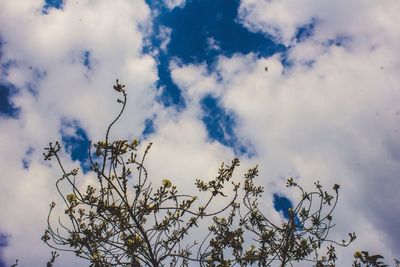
pixel 304 89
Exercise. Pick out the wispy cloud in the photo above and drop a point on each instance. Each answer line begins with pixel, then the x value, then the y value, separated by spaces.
pixel 171 4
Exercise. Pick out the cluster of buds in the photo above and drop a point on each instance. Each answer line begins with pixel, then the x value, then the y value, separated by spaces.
pixel 119 87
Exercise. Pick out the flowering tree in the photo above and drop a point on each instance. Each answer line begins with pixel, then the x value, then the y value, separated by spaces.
pixel 125 220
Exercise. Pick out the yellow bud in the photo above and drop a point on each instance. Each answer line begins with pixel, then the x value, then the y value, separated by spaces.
pixel 71 198
pixel 166 183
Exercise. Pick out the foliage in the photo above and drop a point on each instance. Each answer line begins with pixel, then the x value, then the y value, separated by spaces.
pixel 363 257
pixel 125 220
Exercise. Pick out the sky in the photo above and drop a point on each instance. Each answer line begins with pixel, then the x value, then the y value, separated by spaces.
pixel 307 89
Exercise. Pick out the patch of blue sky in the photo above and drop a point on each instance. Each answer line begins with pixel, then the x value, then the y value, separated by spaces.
pixel 200 32
pixel 221 124
pixel 7 107
pixel 76 142
pixel 3 243
pixel 306 31
pixel 283 204
pixel 303 33
pixel 170 93
pixel 3 239
pixel 86 60
pixel 48 4
pixel 1 47
pixel 4 64
pixel 148 128
pixel 340 40
pixel 26 160
pixel 37 76
pixel 5 67
pixel 287 63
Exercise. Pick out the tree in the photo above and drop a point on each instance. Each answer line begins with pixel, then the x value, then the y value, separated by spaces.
pixel 124 220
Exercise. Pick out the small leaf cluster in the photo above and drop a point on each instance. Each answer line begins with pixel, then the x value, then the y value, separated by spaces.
pixel 363 258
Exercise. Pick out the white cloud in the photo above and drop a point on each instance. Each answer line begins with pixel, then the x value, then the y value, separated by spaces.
pixel 280 19
pixel 194 81
pixel 171 4
pixel 213 44
pixel 164 36
pixel 51 43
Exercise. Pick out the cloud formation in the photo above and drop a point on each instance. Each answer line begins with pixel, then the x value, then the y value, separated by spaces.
pixel 62 64
pixel 171 4
pixel 324 107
